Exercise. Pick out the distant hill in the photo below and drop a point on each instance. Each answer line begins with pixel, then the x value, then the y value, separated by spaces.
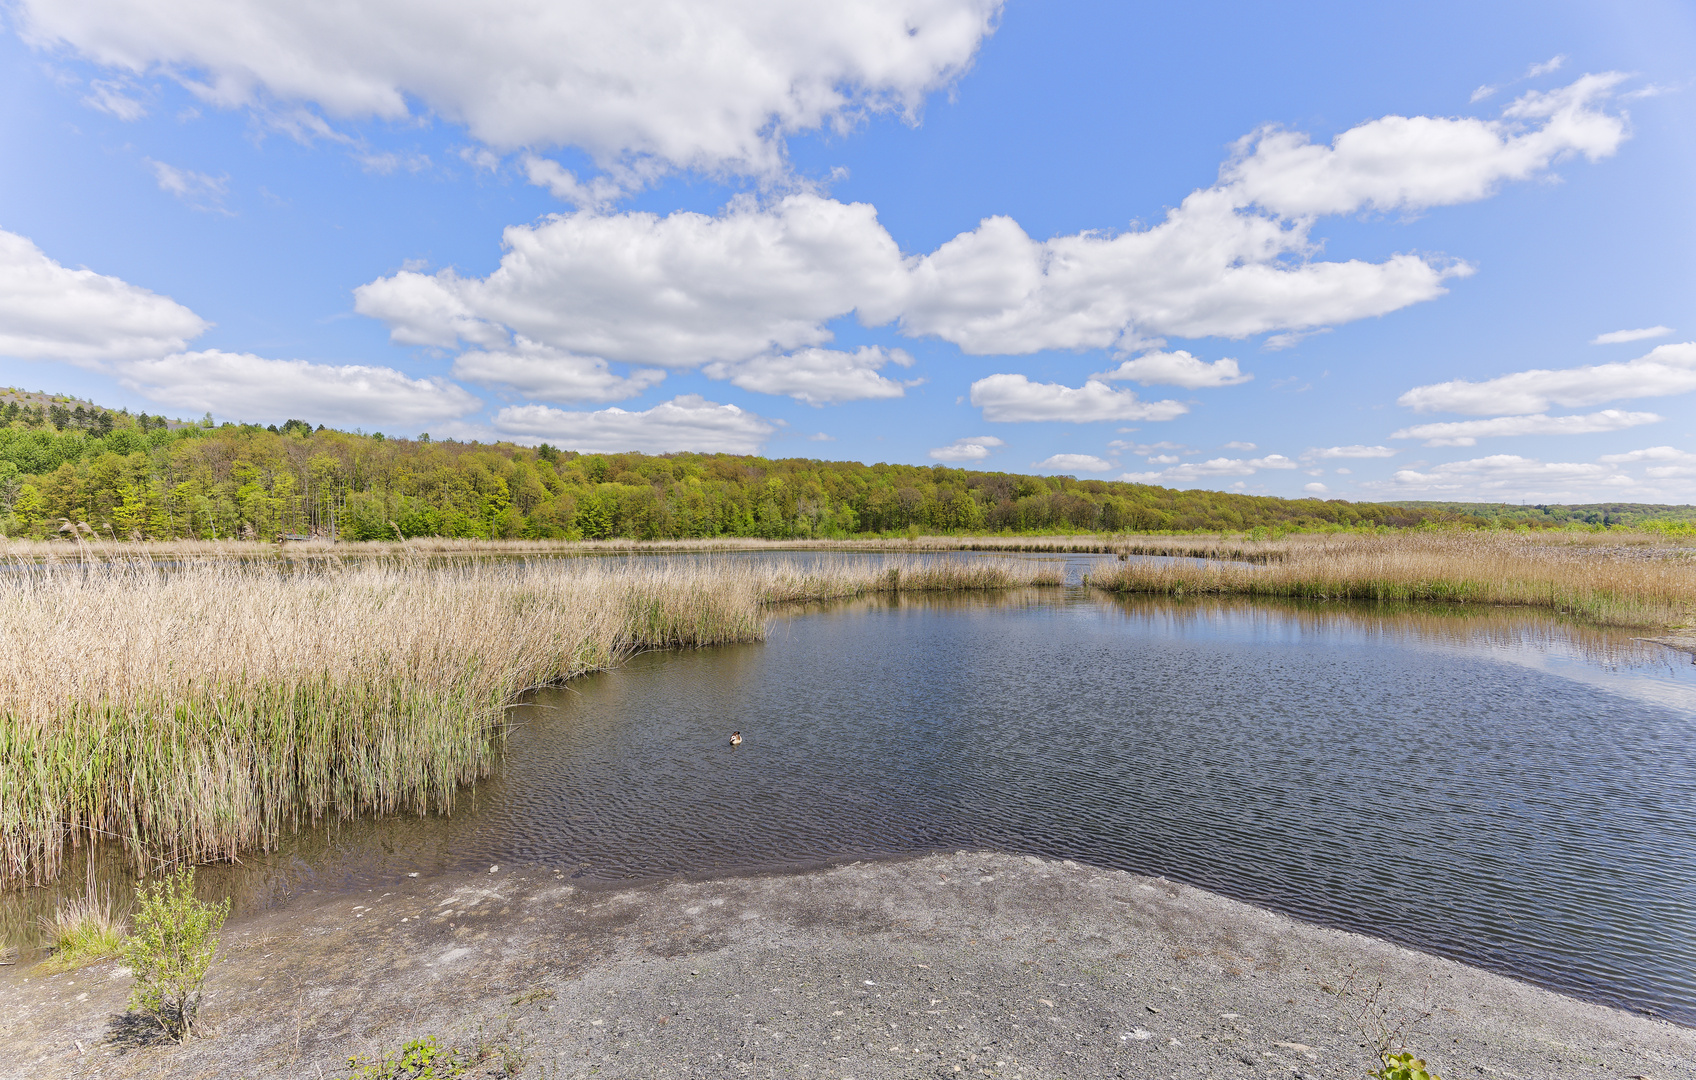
pixel 70 467
pixel 37 408
pixel 1554 514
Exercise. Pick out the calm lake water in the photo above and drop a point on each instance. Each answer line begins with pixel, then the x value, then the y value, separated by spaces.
pixel 1497 787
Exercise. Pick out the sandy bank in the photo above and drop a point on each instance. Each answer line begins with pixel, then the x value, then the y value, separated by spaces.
pixel 952 965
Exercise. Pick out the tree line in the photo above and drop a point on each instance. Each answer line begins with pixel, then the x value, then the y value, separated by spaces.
pixel 135 480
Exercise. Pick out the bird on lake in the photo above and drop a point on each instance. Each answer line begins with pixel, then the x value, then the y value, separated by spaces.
pixel 735 738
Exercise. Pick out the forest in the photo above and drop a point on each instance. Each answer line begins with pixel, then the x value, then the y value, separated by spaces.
pixel 92 472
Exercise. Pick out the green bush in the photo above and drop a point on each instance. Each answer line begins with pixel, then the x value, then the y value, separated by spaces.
pixel 420 1059
pixel 1404 1066
pixel 170 949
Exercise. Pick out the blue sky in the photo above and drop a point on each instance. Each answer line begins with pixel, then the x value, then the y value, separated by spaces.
pixel 1360 251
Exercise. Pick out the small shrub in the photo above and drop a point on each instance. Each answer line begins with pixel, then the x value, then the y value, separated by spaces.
pixel 1389 1027
pixel 420 1059
pixel 171 949
pixel 82 931
pixel 1404 1066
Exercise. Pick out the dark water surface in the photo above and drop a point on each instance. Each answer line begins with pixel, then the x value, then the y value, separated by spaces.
pixel 1500 788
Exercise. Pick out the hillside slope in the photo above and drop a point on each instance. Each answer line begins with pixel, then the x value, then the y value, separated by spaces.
pixel 120 476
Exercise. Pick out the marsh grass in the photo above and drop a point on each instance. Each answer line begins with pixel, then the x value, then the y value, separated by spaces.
pixel 191 712
pixel 1257 546
pixel 1211 545
pixel 1600 578
pixel 320 550
pixel 83 930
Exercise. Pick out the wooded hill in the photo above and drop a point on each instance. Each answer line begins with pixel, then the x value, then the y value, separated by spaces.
pixel 142 477
pixel 1561 514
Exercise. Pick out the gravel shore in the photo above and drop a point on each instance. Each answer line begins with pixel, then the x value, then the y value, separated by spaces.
pixel 970 964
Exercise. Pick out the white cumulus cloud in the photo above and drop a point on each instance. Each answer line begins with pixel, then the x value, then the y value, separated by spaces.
pixel 1177 368
pixel 1511 476
pixel 1665 370
pixel 818 376
pixel 241 385
pixel 1325 453
pixel 1191 471
pixel 1668 462
pixel 564 185
pixel 708 84
pixel 1072 463
pixel 1651 474
pixel 688 422
pixel 970 448
pixel 1410 163
pixel 1207 270
pixel 1468 432
pixel 1014 399
pixel 1617 337
pixel 679 291
pixel 51 312
pixel 1652 453
pixel 1234 259
pixel 1315 488
pixel 541 371
pixel 1149 448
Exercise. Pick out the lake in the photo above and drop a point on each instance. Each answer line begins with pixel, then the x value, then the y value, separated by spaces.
pixel 1499 787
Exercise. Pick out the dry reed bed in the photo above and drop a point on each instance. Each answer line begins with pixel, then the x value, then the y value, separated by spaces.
pixel 195 713
pixel 94 550
pixel 1239 546
pixel 1598 577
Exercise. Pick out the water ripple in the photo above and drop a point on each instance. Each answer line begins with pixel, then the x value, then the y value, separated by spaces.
pixel 1500 788
pixel 1507 796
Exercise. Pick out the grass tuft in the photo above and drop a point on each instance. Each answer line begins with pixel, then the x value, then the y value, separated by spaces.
pixel 82 931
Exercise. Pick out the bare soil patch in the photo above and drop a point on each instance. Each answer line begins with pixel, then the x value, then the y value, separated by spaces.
pixel 969 964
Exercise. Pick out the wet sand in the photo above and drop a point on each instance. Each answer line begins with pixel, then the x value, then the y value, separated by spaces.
pixel 969 965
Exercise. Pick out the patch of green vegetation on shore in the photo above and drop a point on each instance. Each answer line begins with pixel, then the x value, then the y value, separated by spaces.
pixel 82 931
pixel 419 1059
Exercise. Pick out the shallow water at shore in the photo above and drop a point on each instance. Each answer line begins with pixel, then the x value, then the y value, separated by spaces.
pixel 1500 789
pixel 1495 786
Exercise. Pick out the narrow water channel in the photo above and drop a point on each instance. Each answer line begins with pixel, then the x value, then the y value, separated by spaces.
pixel 1498 787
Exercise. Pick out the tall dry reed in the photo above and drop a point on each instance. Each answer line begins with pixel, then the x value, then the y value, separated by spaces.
pixel 1601 578
pixel 195 711
pixel 96 549
pixel 99 550
pixel 1239 546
